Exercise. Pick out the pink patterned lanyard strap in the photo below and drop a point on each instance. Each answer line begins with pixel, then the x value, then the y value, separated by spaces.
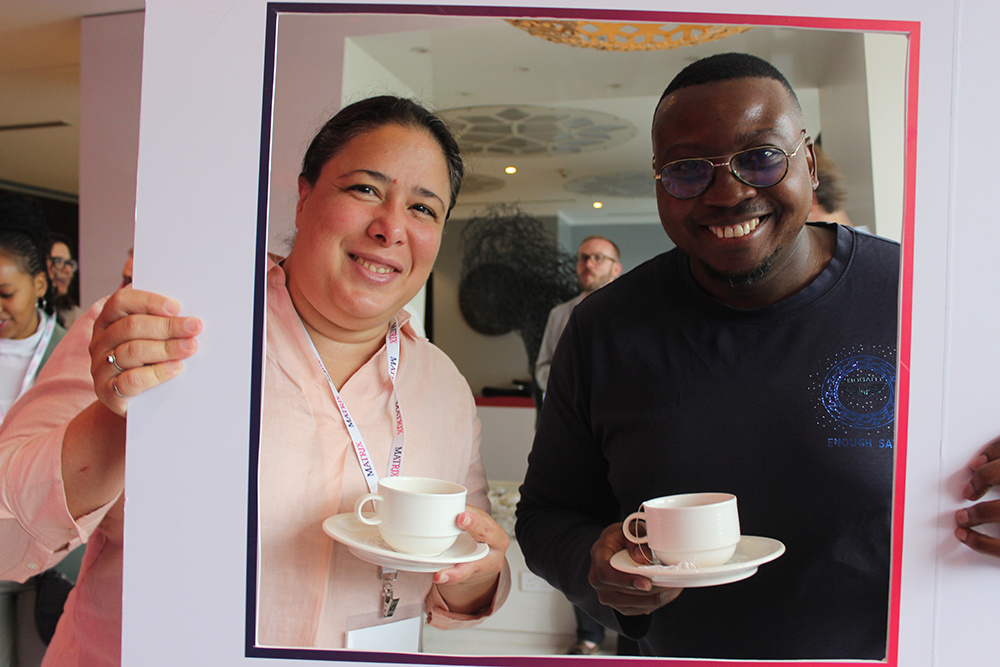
pixel 399 439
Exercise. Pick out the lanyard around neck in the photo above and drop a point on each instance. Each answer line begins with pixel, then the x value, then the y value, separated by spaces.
pixel 399 439
pixel 36 358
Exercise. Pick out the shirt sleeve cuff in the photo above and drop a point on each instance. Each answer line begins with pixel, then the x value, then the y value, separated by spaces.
pixel 442 618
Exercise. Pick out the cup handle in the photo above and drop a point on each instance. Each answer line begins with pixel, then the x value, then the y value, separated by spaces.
pixel 375 498
pixel 634 516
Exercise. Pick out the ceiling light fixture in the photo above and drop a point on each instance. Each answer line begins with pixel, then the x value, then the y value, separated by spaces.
pixel 625 36
pixel 511 170
pixel 598 204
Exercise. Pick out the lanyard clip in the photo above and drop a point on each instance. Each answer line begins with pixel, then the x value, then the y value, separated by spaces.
pixel 388 601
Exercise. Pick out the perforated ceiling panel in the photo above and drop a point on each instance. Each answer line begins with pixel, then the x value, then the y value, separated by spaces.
pixel 626 184
pixel 530 130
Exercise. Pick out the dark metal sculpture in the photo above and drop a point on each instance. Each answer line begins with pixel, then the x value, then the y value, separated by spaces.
pixel 513 274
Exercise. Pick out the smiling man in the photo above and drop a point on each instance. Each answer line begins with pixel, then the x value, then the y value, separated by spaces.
pixel 756 358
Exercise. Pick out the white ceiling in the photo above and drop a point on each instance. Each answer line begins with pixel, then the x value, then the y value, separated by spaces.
pixel 459 62
pixel 447 62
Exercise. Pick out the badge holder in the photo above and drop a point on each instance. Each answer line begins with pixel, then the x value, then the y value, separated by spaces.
pixel 389 602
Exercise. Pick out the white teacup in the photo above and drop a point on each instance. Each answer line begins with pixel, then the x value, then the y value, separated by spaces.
pixel 702 529
pixel 415 515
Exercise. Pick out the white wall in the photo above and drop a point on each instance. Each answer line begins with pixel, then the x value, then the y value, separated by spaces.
pixel 843 101
pixel 110 81
pixel 885 64
pixel 506 434
pixel 965 628
pixel 365 77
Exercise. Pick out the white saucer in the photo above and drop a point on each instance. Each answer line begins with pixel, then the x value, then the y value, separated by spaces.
pixel 750 553
pixel 365 542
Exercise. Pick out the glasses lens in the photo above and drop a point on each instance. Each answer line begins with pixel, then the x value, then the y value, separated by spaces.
pixel 760 167
pixel 685 179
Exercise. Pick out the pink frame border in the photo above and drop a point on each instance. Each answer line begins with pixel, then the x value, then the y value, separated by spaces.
pixel 909 28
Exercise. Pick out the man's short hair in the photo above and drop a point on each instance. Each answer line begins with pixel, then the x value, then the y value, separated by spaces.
pixel 618 253
pixel 726 67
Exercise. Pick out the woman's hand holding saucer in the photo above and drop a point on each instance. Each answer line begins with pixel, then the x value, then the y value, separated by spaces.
pixel 139 342
pixel 469 587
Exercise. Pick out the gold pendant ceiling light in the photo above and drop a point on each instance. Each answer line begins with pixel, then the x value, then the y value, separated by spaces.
pixel 625 36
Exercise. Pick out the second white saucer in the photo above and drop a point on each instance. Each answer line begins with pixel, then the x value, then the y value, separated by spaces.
pixel 751 552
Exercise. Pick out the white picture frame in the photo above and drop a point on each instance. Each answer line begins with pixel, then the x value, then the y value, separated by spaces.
pixel 197 211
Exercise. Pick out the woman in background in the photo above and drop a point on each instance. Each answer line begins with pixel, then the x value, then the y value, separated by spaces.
pixel 28 335
pixel 62 270
pixel 28 330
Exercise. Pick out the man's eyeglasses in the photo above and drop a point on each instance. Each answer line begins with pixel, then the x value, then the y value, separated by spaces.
pixel 759 167
pixel 59 262
pixel 597 258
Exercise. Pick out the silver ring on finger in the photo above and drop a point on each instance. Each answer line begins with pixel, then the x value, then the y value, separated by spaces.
pixel 114 385
pixel 114 362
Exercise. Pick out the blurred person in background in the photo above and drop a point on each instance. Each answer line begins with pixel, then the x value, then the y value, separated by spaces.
pixel 598 262
pixel 28 329
pixel 28 335
pixel 127 270
pixel 830 195
pixel 62 270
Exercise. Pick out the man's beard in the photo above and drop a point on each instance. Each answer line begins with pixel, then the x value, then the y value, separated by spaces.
pixel 596 282
pixel 747 279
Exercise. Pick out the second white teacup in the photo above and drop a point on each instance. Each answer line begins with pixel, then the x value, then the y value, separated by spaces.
pixel 415 515
pixel 698 528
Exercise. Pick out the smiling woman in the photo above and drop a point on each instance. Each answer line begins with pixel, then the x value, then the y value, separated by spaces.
pixel 376 187
pixel 368 230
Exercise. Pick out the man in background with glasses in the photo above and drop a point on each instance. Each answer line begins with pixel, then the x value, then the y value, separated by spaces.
pixel 598 262
pixel 757 358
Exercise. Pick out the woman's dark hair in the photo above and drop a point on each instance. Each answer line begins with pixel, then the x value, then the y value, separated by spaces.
pixel 55 238
pixel 370 114
pixel 24 236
